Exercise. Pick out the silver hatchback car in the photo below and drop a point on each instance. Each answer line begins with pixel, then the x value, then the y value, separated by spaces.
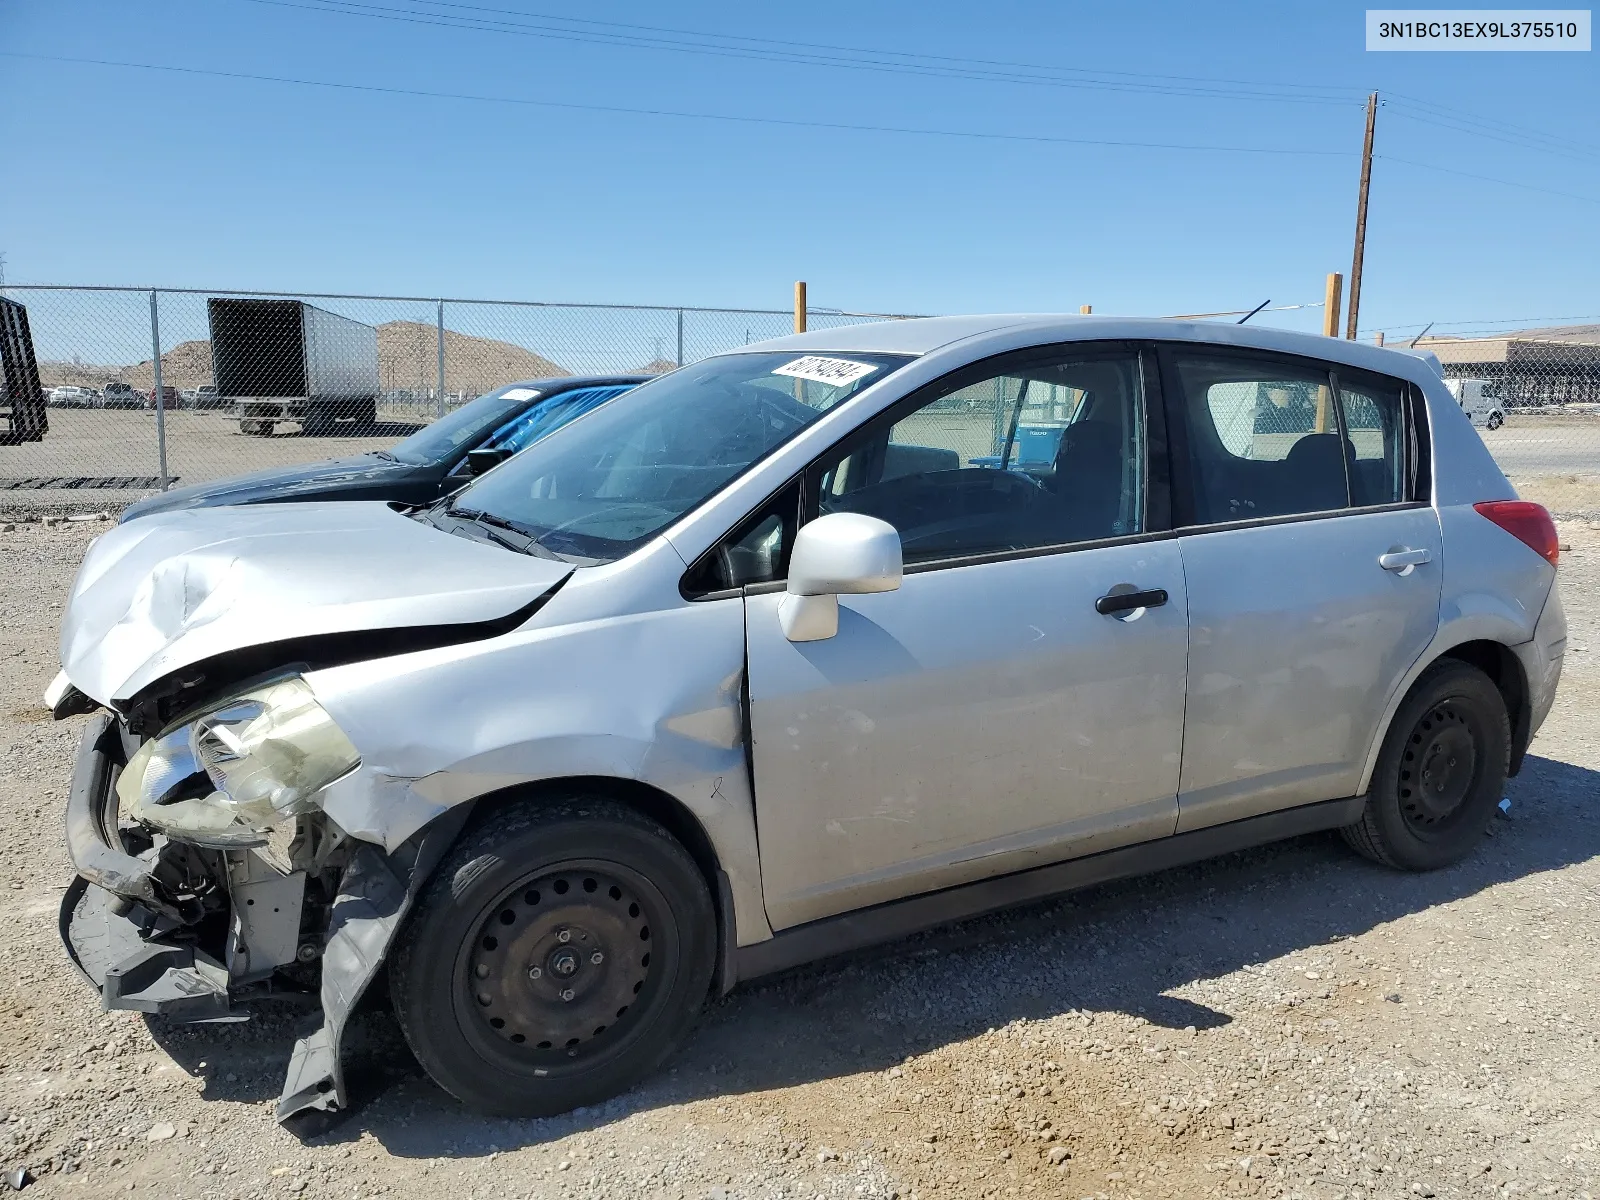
pixel 784 653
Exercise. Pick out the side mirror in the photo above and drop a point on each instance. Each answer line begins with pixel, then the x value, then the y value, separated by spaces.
pixel 842 554
pixel 480 462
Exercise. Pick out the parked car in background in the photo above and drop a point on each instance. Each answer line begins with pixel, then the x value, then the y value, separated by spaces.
pixel 750 667
pixel 122 395
pixel 69 396
pixel 169 397
pixel 186 397
pixel 438 458
pixel 207 396
pixel 1479 401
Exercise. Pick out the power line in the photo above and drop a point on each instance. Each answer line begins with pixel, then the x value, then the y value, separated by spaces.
pixel 636 36
pixel 1527 187
pixel 1588 156
pixel 1492 123
pixel 354 8
pixel 942 58
pixel 1482 325
pixel 741 119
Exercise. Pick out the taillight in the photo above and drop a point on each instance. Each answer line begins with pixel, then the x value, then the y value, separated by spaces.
pixel 1526 521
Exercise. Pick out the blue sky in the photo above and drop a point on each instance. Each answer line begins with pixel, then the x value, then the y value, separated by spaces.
pixel 140 176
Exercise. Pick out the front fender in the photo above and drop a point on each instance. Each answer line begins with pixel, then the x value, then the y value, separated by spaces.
pixel 653 697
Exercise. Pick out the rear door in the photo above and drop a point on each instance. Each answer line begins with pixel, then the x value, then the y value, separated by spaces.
pixel 1312 567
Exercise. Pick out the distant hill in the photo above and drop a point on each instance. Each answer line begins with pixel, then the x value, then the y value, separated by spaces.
pixel 186 365
pixel 408 357
pixel 656 366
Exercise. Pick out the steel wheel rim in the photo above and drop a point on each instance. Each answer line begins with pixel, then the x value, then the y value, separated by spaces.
pixel 529 992
pixel 1439 768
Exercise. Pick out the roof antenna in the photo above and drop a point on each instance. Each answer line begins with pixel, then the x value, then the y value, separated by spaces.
pixel 1420 336
pixel 1252 312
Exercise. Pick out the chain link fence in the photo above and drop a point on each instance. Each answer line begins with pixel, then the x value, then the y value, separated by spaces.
pixel 255 380
pixel 1534 395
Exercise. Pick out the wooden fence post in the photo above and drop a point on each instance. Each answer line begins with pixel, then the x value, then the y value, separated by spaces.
pixel 800 306
pixel 1330 304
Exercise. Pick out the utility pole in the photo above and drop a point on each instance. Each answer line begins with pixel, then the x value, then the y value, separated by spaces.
pixel 1361 219
pixel 799 306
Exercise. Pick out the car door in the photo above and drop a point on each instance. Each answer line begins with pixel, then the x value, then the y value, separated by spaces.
pixel 1019 699
pixel 1312 567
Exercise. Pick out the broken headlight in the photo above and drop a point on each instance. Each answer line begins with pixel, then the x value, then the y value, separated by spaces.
pixel 227 776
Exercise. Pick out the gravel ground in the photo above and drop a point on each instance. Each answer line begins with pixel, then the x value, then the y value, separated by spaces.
pixel 1291 1021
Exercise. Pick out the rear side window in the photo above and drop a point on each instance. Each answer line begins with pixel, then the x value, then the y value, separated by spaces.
pixel 1273 438
pixel 1374 417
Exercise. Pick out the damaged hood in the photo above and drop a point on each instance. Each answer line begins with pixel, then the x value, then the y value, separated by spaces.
pixel 173 589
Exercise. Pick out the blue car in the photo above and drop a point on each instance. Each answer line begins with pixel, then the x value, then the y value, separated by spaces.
pixel 432 462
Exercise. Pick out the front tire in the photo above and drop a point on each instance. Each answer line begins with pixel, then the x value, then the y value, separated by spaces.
pixel 559 954
pixel 1440 774
pixel 1495 421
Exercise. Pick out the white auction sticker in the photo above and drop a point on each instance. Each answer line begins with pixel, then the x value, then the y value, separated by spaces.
pixel 519 393
pixel 840 372
pixel 1478 29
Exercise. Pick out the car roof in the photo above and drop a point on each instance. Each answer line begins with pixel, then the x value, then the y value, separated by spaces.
pixel 981 335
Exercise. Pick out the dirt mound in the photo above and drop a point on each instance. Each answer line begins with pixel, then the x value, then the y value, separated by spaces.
pixel 186 365
pixel 408 357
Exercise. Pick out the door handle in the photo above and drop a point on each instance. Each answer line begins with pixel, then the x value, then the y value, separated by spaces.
pixel 1402 561
pixel 1129 605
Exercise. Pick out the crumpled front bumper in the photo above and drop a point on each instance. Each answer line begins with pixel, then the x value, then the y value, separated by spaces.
pixel 132 940
pixel 115 924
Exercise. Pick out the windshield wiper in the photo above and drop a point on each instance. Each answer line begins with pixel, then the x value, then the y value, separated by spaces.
pixel 483 520
pixel 482 517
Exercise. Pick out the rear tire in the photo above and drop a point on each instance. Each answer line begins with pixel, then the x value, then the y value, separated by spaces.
pixel 558 955
pixel 1495 421
pixel 1440 774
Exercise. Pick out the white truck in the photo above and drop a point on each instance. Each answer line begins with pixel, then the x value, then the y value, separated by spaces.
pixel 1478 400
pixel 284 360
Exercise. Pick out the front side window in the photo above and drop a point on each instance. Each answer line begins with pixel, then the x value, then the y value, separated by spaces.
pixel 756 551
pixel 1043 455
pixel 597 488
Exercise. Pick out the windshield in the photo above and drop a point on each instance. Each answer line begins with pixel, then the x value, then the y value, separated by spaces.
pixel 599 487
pixel 444 439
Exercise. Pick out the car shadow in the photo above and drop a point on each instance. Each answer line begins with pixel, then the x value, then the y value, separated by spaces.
pixel 1121 947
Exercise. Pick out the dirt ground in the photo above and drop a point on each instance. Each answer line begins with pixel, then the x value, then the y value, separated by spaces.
pixel 1292 1021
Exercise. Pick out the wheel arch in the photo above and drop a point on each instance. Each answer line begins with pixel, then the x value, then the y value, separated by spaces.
pixel 649 801
pixel 1495 659
pixel 1505 671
